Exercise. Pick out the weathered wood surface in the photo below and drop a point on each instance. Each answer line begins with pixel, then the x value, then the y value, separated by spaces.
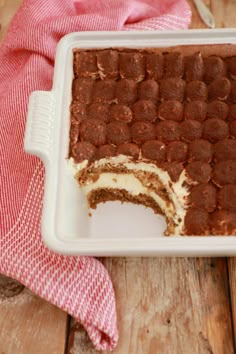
pixel 168 306
pixel 223 11
pixel 164 305
pixel 7 11
pixel 232 285
pixel 28 324
pixel 172 305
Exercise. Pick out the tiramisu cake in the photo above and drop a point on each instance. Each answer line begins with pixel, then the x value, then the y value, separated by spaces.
pixel 157 127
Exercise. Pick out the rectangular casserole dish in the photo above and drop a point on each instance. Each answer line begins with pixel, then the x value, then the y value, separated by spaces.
pixel 113 229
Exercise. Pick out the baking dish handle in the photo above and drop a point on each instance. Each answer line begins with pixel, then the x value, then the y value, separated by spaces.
pixel 40 124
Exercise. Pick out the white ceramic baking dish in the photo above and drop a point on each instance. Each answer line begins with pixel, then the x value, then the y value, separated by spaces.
pixel 113 229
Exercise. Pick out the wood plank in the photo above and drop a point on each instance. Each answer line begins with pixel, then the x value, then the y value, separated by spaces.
pixel 196 20
pixel 7 10
pixel 167 306
pixel 172 305
pixel 29 324
pixel 223 11
pixel 232 285
pixel 78 341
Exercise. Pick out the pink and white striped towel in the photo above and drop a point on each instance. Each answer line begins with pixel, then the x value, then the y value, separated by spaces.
pixel 78 285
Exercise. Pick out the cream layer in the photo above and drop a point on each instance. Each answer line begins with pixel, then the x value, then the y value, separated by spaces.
pixel 177 192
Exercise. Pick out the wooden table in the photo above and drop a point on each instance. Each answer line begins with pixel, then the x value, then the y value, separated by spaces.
pixel 165 306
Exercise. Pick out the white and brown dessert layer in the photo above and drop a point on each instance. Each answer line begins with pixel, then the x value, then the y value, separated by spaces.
pixel 158 127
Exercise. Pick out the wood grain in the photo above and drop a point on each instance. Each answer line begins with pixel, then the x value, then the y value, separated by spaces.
pixel 29 324
pixel 78 341
pixel 167 306
pixel 232 285
pixel 223 11
pixel 7 10
pixel 172 305
pixel 196 20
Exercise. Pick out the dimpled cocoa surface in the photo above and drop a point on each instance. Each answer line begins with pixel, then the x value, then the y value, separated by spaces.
pixel 175 110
